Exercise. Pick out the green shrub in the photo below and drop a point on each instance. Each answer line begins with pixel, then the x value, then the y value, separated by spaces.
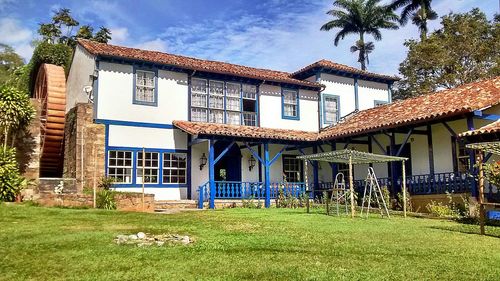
pixel 105 196
pixel 250 203
pixel 11 182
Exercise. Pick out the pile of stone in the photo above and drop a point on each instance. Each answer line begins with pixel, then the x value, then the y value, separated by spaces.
pixel 142 239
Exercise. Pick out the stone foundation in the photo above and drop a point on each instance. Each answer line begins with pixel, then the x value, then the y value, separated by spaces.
pixel 124 201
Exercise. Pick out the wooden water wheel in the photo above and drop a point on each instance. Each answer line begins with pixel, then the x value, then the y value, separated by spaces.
pixel 50 90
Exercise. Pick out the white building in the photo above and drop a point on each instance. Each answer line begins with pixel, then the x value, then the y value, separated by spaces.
pixel 203 122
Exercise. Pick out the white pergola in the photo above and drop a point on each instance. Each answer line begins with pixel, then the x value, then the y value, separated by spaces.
pixel 354 157
pixel 488 147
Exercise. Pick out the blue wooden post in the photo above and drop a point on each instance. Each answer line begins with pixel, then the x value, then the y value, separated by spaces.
pixel 267 180
pixel 315 170
pixel 472 160
pixel 211 173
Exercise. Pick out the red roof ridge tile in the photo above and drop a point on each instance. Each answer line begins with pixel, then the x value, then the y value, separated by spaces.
pixel 193 63
pixel 343 67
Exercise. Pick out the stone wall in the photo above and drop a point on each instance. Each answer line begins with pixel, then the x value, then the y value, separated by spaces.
pixel 84 147
pixel 124 201
pixel 419 202
pixel 28 146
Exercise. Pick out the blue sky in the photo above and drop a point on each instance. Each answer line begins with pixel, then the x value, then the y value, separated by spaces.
pixel 276 34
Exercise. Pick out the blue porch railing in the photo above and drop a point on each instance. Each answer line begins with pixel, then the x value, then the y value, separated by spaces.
pixel 242 190
pixel 439 183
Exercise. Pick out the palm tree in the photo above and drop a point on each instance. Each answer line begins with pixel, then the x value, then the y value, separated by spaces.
pixel 421 7
pixel 420 19
pixel 360 17
pixel 364 50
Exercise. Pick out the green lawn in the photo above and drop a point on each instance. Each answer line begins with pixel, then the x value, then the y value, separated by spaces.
pixel 234 244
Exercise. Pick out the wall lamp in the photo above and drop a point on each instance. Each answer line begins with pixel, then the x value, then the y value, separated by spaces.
pixel 203 161
pixel 251 163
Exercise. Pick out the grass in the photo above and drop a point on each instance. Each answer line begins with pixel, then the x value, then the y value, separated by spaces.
pixel 68 244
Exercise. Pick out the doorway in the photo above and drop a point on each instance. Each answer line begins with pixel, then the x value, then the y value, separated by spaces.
pixel 229 166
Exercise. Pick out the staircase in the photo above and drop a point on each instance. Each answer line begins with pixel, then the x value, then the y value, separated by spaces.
pixel 166 206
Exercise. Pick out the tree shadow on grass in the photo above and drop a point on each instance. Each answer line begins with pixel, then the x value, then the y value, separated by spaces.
pixel 470 229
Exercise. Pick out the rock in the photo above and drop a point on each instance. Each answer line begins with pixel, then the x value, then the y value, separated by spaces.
pixel 122 237
pixel 133 237
pixel 141 235
pixel 160 243
pixel 185 240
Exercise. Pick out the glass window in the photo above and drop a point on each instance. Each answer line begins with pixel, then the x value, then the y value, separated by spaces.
pixel 233 118
pixel 249 118
pixel 292 169
pixel 198 114
pixel 151 167
pixel 290 103
pixel 120 166
pixel 216 116
pixel 331 109
pixel 174 167
pixel 249 91
pixel 145 87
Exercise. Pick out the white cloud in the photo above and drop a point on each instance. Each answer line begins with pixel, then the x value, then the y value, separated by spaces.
pixel 119 35
pixel 18 37
pixel 153 45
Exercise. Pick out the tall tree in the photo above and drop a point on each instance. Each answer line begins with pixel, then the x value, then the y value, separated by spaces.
pixel 85 32
pixel 103 35
pixel 9 62
pixel 420 19
pixel 364 49
pixel 465 49
pixel 412 9
pixel 360 17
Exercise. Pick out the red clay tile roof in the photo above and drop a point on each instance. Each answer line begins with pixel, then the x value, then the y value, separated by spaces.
pixel 446 103
pixel 193 63
pixel 488 129
pixel 201 128
pixel 345 68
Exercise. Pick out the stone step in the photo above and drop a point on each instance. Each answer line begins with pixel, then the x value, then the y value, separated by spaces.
pixel 175 204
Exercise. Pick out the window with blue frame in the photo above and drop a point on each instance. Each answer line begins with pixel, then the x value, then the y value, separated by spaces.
pixel 331 110
pixel 151 167
pixel 290 104
pixel 145 87
pixel 120 165
pixel 174 168
pixel 223 102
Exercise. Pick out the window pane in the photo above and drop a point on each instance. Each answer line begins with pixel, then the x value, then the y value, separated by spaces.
pixel 233 104
pixel 291 169
pixel 217 88
pixel 233 90
pixel 198 114
pixel 233 118
pixel 198 86
pixel 249 91
pixel 216 102
pixel 216 116
pixel 331 109
pixel 150 167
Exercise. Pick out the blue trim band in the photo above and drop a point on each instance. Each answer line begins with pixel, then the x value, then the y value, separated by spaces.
pixel 134 124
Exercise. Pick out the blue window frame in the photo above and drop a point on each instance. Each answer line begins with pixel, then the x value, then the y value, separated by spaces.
pixel 331 108
pixel 290 108
pixel 218 101
pixel 145 86
pixel 164 167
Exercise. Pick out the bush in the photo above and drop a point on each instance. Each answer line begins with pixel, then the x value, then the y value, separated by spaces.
pixel 105 197
pixel 250 203
pixel 11 182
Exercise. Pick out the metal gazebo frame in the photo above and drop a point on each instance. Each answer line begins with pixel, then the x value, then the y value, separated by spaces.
pixel 488 147
pixel 354 157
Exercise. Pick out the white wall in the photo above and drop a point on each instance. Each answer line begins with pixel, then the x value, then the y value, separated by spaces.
pixel 369 92
pixel 115 96
pixel 270 110
pixel 129 136
pixel 82 67
pixel 161 193
pixel 342 87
